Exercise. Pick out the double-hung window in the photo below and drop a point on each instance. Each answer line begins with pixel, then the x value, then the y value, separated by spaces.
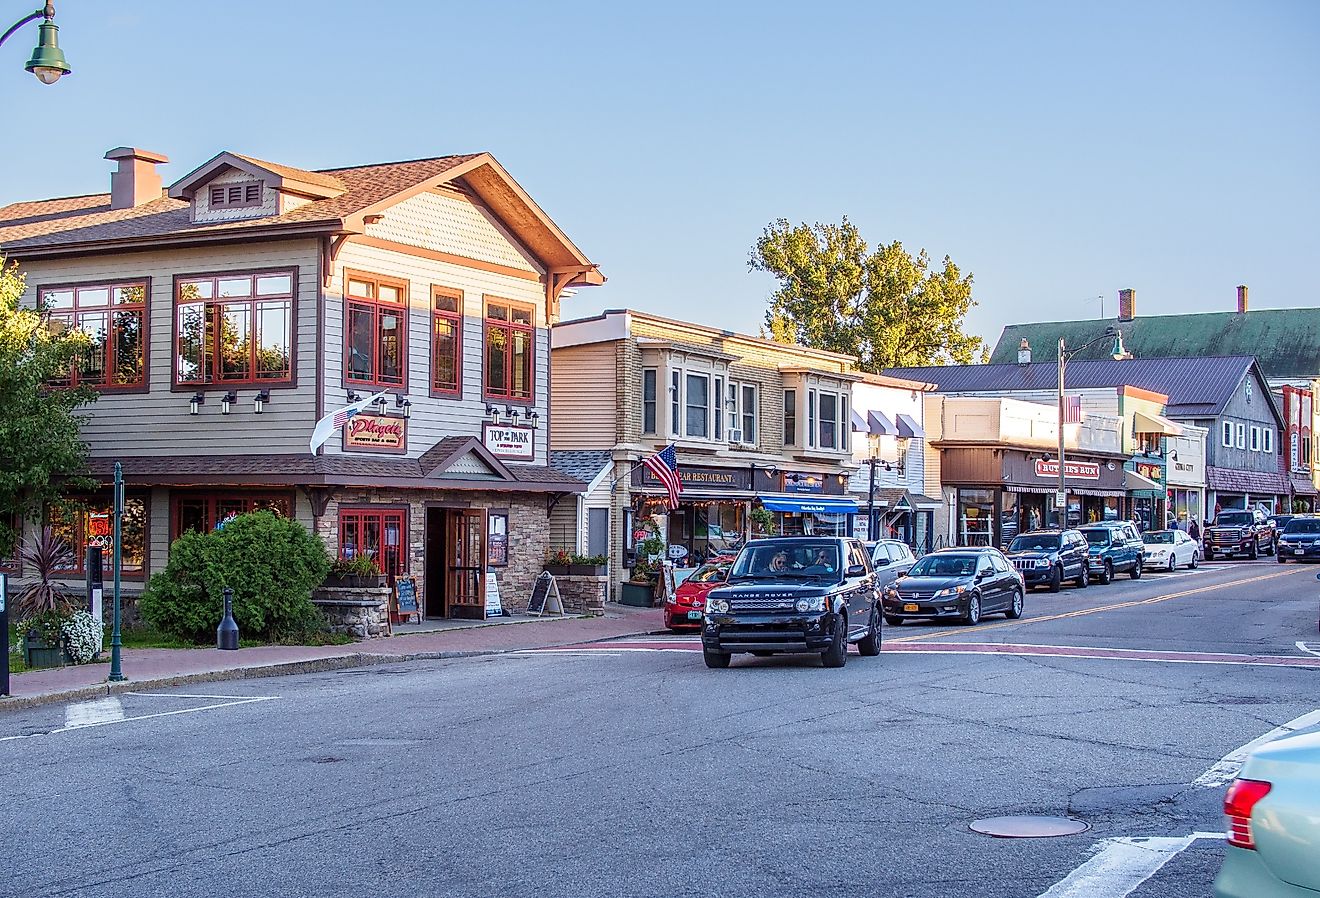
pixel 747 413
pixel 375 330
pixel 829 421
pixel 811 419
pixel 717 413
pixel 234 328
pixel 790 417
pixel 1267 439
pixel 697 406
pixel 1228 434
pixel 1255 438
pixel 510 336
pixel 114 318
pixel 675 404
pixel 446 341
pixel 648 400
pixel 1242 436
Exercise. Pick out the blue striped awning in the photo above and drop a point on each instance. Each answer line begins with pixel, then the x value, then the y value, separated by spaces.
pixel 812 505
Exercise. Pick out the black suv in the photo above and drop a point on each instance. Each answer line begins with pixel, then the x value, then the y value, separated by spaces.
pixel 1239 532
pixel 1048 557
pixel 794 594
pixel 961 583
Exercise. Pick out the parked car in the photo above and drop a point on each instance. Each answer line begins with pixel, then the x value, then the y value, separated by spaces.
pixel 1114 547
pixel 685 609
pixel 890 559
pixel 1273 846
pixel 1278 522
pixel 959 583
pixel 1239 532
pixel 1048 557
pixel 794 594
pixel 1300 539
pixel 1168 549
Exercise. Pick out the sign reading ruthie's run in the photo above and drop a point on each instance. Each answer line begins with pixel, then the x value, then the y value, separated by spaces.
pixel 509 441
pixel 1082 470
pixel 376 433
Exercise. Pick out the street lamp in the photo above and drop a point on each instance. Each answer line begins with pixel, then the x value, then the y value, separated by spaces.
pixel 47 62
pixel 1118 354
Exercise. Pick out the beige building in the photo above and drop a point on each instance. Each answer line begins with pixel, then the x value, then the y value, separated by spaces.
pixel 758 427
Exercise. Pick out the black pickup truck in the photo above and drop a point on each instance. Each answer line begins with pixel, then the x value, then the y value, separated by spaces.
pixel 795 594
pixel 1239 533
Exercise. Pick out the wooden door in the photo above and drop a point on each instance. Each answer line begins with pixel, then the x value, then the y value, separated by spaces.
pixel 466 563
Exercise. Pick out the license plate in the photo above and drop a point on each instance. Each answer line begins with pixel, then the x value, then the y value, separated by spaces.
pixel 1299 551
pixel 694 615
pixel 911 607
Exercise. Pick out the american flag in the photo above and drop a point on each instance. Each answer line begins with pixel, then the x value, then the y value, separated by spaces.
pixel 664 465
pixel 334 420
pixel 1072 409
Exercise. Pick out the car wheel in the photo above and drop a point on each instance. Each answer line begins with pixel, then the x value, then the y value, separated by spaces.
pixel 894 621
pixel 1273 549
pixel 1255 551
pixel 1135 573
pixel 1084 579
pixel 1015 607
pixel 869 646
pixel 973 615
pixel 1209 554
pixel 718 660
pixel 837 654
pixel 1107 574
pixel 1196 559
pixel 1056 579
pixel 1173 564
pixel 1281 559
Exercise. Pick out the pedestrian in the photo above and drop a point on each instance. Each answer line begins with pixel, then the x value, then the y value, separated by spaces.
pixel 1194 531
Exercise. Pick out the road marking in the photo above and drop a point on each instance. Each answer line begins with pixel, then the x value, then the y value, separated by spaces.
pixel 1101 652
pixel 1121 865
pixel 1305 648
pixel 1097 610
pixel 577 653
pixel 1224 770
pixel 103 710
pixel 98 723
pixel 182 695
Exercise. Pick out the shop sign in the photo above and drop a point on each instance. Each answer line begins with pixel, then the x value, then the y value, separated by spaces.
pixel 1078 470
pixel 1150 471
pixel 705 478
pixel 796 482
pixel 376 433
pixel 100 531
pixel 509 441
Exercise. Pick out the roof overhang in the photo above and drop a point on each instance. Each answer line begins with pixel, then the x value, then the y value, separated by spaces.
pixel 1148 422
pixel 309 184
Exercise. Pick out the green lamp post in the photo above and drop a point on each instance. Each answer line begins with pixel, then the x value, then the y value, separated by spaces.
pixel 47 62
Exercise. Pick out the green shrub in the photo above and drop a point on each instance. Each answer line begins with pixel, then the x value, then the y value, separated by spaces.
pixel 271 563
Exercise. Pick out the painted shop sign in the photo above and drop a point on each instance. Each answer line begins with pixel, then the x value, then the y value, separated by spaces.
pixel 799 482
pixel 1149 471
pixel 376 433
pixel 704 478
pixel 1081 470
pixel 509 441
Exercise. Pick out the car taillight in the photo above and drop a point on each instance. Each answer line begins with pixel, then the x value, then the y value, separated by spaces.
pixel 1241 798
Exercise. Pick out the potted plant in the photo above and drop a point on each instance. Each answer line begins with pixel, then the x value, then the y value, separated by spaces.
pixel 559 562
pixel 360 571
pixel 43 642
pixel 763 522
pixel 42 606
pixel 639 590
pixel 588 565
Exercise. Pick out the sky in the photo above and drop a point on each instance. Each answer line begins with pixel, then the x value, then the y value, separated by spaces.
pixel 1056 151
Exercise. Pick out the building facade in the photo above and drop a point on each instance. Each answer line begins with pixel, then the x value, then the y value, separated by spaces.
pixel 1299 463
pixel 231 312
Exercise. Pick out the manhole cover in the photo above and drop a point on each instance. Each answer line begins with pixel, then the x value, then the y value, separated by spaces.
pixel 1028 827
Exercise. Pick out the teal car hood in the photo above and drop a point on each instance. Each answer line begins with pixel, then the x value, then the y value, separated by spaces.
pixel 1286 822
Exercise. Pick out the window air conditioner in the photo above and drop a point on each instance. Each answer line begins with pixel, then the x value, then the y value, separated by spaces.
pixel 735 436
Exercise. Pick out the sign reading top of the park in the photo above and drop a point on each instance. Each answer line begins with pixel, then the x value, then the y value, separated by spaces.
pixel 376 433
pixel 509 441
pixel 1081 470
pixel 695 477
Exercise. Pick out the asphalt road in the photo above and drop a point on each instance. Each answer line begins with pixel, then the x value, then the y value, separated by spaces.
pixel 630 769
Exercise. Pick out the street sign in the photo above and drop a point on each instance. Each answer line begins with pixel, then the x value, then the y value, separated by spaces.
pixel 1060 498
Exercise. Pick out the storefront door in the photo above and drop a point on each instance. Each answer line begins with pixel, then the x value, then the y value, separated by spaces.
pixel 456 563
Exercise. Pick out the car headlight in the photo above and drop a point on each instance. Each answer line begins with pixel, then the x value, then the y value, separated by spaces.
pixel 719 606
pixel 813 604
pixel 1042 562
pixel 951 591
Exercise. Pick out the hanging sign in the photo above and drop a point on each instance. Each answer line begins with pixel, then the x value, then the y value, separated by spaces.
pixel 509 441
pixel 1080 470
pixel 798 482
pixel 376 433
pixel 1149 471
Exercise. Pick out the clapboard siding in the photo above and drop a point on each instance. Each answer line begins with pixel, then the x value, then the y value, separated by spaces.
pixel 583 412
pixel 157 422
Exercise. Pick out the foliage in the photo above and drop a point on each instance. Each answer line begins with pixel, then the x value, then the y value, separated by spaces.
pixel 83 636
pixel 38 428
pixel 564 557
pixel 44 555
pixel 763 520
pixel 594 560
pixel 886 307
pixel 360 565
pixel 271 563
pixel 46 626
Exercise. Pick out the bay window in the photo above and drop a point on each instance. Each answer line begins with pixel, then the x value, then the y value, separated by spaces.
pixel 716 413
pixel 114 318
pixel 648 400
pixel 790 417
pixel 446 341
pixel 375 330
pixel 234 328
pixel 829 421
pixel 675 404
pixel 510 336
pixel 697 406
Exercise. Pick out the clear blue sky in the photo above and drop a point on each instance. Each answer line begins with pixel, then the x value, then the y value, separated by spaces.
pixel 1058 151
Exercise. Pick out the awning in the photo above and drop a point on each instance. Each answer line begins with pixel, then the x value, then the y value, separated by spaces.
pixel 908 427
pixel 1148 422
pixel 858 422
pixel 1136 483
pixel 880 425
pixel 813 505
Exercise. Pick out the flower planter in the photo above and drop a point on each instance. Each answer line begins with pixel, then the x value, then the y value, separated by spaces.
pixel 639 595
pixel 587 570
pixel 559 570
pixel 354 581
pixel 37 653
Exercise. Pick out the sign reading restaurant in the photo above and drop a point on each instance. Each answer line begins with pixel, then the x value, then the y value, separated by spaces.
pixel 509 441
pixel 376 433
pixel 1082 470
pixel 701 478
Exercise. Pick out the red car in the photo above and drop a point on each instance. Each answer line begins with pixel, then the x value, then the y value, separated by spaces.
pixel 685 608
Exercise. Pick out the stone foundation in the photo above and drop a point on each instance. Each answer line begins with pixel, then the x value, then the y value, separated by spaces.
pixel 361 612
pixel 583 594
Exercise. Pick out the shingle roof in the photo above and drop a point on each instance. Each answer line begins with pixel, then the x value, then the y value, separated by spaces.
pixel 1195 386
pixel 89 219
pixel 582 464
pixel 1286 341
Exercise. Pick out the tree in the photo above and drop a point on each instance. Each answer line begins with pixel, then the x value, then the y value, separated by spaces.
pixel 885 307
pixel 43 451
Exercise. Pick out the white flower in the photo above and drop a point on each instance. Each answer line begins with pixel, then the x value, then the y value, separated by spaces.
pixel 83 637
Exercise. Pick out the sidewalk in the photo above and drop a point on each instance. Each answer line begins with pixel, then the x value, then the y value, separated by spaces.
pixel 157 668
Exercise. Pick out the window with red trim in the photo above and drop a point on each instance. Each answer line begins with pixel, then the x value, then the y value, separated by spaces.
pixel 375 330
pixel 510 338
pixel 234 328
pixel 114 317
pixel 201 512
pixel 446 341
pixel 93 525
pixel 380 533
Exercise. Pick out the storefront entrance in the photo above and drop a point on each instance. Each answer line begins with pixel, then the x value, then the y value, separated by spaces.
pixel 455 563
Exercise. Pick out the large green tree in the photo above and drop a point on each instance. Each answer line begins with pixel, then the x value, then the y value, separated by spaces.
pixel 41 451
pixel 887 307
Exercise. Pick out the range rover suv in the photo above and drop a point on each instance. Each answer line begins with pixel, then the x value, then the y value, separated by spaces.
pixel 794 594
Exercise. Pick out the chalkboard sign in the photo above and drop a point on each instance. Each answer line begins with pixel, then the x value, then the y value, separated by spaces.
pixel 405 597
pixel 545 596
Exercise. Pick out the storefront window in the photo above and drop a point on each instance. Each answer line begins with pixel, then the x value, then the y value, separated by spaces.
pixel 203 512
pixel 93 525
pixel 1010 523
pixel 377 533
pixel 976 509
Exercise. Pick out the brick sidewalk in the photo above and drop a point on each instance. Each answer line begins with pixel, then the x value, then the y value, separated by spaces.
pixel 155 668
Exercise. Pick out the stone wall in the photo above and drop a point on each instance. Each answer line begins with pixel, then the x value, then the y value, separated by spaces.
pixel 360 612
pixel 583 594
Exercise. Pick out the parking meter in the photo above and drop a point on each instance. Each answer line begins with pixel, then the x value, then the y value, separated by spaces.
pixel 4 634
pixel 95 584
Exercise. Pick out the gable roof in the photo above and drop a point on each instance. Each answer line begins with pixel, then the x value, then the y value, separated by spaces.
pixel 1286 341
pixel 1196 387
pixel 281 177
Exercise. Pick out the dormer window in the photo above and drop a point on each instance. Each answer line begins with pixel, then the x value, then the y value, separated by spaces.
pixel 244 195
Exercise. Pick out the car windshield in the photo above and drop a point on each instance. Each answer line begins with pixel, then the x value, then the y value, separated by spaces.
pixel 944 566
pixel 1035 542
pixel 1097 537
pixel 805 559
pixel 1235 518
pixel 710 573
pixel 1157 536
pixel 1303 525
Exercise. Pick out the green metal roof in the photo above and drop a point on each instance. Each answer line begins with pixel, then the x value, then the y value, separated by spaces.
pixel 1285 341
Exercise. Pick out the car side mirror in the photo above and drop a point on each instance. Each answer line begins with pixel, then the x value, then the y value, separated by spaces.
pixel 981 575
pixel 856 570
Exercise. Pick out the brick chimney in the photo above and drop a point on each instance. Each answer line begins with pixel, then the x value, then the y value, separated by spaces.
pixel 135 182
pixel 1242 299
pixel 1127 304
pixel 1024 352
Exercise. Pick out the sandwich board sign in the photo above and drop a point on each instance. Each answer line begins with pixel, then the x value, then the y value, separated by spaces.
pixel 545 596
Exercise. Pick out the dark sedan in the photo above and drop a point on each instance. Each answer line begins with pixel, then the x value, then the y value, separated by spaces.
pixel 1300 540
pixel 957 583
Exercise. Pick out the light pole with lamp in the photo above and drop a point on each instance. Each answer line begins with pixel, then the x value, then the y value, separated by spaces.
pixel 47 62
pixel 1118 353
